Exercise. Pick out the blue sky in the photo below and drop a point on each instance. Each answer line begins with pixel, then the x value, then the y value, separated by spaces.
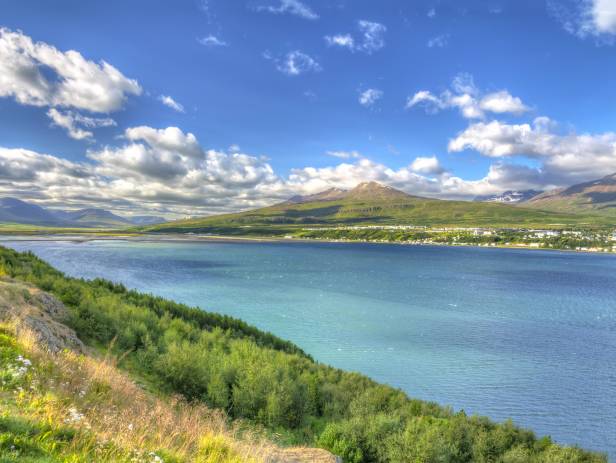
pixel 268 98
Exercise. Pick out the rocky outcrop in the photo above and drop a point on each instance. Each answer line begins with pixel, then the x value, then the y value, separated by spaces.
pixel 39 313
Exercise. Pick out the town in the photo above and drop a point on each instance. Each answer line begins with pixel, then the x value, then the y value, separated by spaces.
pixel 566 239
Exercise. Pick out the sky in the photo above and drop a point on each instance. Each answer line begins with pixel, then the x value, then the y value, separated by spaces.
pixel 195 107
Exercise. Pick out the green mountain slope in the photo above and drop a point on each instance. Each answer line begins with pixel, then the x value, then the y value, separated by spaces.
pixel 597 196
pixel 375 204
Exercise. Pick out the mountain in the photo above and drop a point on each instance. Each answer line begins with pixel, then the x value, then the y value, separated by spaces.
pixel 93 217
pixel 373 191
pixel 146 219
pixel 13 210
pixel 367 191
pixel 330 194
pixel 509 196
pixel 596 196
pixel 370 203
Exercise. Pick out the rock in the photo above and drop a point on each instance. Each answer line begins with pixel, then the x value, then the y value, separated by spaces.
pixel 32 310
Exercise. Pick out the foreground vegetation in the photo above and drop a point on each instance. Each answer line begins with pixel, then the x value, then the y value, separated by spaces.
pixel 223 362
pixel 71 408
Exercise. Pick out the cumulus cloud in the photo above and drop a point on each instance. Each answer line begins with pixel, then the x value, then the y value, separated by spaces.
pixel 604 16
pixel 369 97
pixel 294 63
pixel 212 41
pixel 427 165
pixel 466 97
pixel 565 158
pixel 293 7
pixel 171 103
pixel 76 124
pixel 156 170
pixel 371 38
pixel 502 102
pixel 77 82
pixel 587 18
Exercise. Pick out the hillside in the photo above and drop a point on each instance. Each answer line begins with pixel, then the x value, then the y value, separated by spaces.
pixel 214 361
pixel 80 407
pixel 93 217
pixel 372 203
pixel 13 210
pixel 597 196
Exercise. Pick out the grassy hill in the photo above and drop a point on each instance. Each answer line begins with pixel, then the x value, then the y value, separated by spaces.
pixel 74 407
pixel 371 203
pixel 61 401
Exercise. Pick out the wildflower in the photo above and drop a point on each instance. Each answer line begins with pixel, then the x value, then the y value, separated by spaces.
pixel 74 416
pixel 155 458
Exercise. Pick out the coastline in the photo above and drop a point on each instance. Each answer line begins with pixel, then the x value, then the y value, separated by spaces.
pixel 184 238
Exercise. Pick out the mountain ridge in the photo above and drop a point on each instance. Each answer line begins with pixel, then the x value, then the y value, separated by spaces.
pixel 598 196
pixel 14 210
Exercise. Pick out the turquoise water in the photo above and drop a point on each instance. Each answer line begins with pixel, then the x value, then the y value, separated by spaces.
pixel 529 335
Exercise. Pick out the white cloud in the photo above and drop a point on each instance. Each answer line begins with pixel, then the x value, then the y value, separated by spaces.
pixel 160 170
pixel 71 121
pixel 503 102
pixel 586 18
pixel 171 103
pixel 344 154
pixel 427 165
pixel 212 41
pixel 341 40
pixel 440 41
pixel 604 16
pixel 293 7
pixel 467 98
pixel 371 38
pixel 565 158
pixel 76 82
pixel 294 63
pixel 431 13
pixel 370 96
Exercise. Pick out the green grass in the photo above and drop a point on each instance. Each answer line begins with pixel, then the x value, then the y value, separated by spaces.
pixel 283 219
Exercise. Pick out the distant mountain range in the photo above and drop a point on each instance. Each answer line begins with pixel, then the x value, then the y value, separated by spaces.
pixel 509 197
pixel 13 210
pixel 597 196
pixel 373 203
pixel 588 203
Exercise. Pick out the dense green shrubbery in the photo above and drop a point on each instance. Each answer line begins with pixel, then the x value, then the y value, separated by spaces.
pixel 255 375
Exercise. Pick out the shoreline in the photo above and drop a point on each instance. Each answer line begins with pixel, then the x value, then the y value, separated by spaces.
pixel 183 238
